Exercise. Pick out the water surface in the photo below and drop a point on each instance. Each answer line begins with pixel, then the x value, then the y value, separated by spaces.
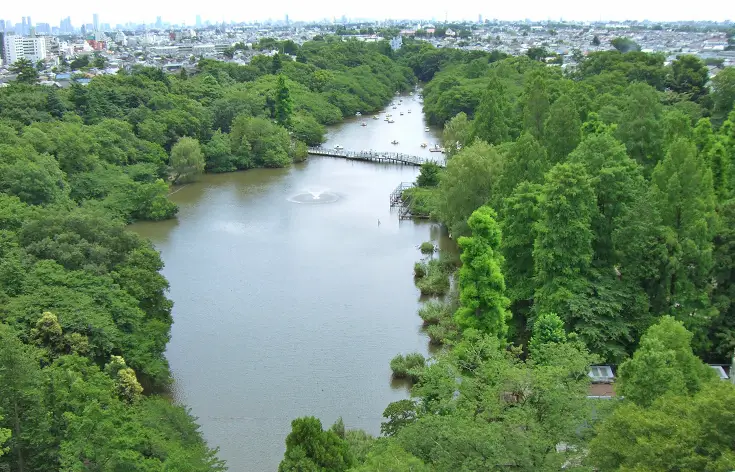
pixel 285 306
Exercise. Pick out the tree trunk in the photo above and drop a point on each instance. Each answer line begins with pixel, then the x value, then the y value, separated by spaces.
pixel 17 433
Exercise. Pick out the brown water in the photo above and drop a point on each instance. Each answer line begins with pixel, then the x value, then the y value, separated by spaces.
pixel 287 305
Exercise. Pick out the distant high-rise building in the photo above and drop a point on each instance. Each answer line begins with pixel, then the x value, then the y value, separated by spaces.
pixel 159 22
pixel 199 21
pixel 24 25
pixel 479 18
pixel 96 21
pixel 20 47
pixel 287 20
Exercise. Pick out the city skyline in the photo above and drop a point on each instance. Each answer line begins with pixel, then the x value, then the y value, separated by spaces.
pixel 219 11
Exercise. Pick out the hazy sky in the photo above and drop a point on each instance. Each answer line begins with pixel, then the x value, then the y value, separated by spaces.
pixel 178 11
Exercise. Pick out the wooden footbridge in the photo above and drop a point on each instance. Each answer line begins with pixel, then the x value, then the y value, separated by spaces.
pixel 374 156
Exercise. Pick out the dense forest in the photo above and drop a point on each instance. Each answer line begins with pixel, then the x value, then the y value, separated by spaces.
pixel 594 210
pixel 84 318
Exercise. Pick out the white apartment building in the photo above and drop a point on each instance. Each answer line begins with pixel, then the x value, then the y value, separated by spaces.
pixel 22 47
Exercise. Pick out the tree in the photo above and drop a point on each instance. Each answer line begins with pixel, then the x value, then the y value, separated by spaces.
pixel 428 175
pixel 284 104
pixel 310 448
pixel 595 41
pixel 276 64
pixel 680 431
pixel 483 304
pixel 490 123
pixel 664 363
pixel 685 194
pixel 563 252
pixel 218 154
pixel 466 184
pixel 187 160
pixel 398 414
pixel 526 161
pixel 518 222
pixel 535 105
pixel 689 76
pixel 26 73
pixel 625 44
pixel 562 129
pixel 457 134
pixel 723 93
pixel 20 399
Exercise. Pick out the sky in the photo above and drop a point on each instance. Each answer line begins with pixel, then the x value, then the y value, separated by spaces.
pixel 178 11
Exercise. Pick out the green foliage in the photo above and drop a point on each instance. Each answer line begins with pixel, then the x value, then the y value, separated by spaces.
pixel 435 280
pixel 26 73
pixel 187 160
pixel 623 44
pixel 398 414
pixel 663 364
pixel 457 134
pixel 427 247
pixel 562 252
pixel 408 366
pixel 562 129
pixel 679 431
pixel 483 304
pixel 466 184
pixel 284 104
pixel 428 175
pixel 309 447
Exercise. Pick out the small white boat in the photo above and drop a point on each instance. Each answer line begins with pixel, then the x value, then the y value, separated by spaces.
pixel 409 110
pixel 423 145
pixel 338 147
pixel 401 113
pixel 391 121
pixel 394 142
pixel 376 117
pixel 410 93
pixel 358 114
pixel 363 124
pixel 436 148
pixel 388 115
pixel 426 129
pixel 394 107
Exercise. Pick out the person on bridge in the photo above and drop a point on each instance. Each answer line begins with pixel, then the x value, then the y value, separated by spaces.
pixel 378 221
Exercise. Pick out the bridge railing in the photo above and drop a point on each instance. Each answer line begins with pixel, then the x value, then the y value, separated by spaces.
pixel 372 155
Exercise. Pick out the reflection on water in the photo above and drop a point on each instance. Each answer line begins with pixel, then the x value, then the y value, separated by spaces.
pixel 283 310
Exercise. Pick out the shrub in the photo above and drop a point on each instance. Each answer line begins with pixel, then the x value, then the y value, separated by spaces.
pixel 436 280
pixel 408 367
pixel 449 261
pixel 433 311
pixel 419 270
pixel 427 247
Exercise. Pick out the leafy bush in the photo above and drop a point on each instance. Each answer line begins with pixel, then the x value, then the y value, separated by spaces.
pixel 433 311
pixel 419 270
pixel 436 280
pixel 408 366
pixel 427 247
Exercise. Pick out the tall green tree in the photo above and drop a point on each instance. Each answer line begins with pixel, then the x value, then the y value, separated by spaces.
pixel 457 134
pixel 562 129
pixel 466 184
pixel 491 119
pixel 688 76
pixel 25 72
pixel 518 224
pixel 482 301
pixel 563 251
pixel 684 192
pixel 284 104
pixel 535 104
pixel 187 160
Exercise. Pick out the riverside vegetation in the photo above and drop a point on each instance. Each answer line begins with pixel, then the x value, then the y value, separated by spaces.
pixel 594 211
pixel 84 317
